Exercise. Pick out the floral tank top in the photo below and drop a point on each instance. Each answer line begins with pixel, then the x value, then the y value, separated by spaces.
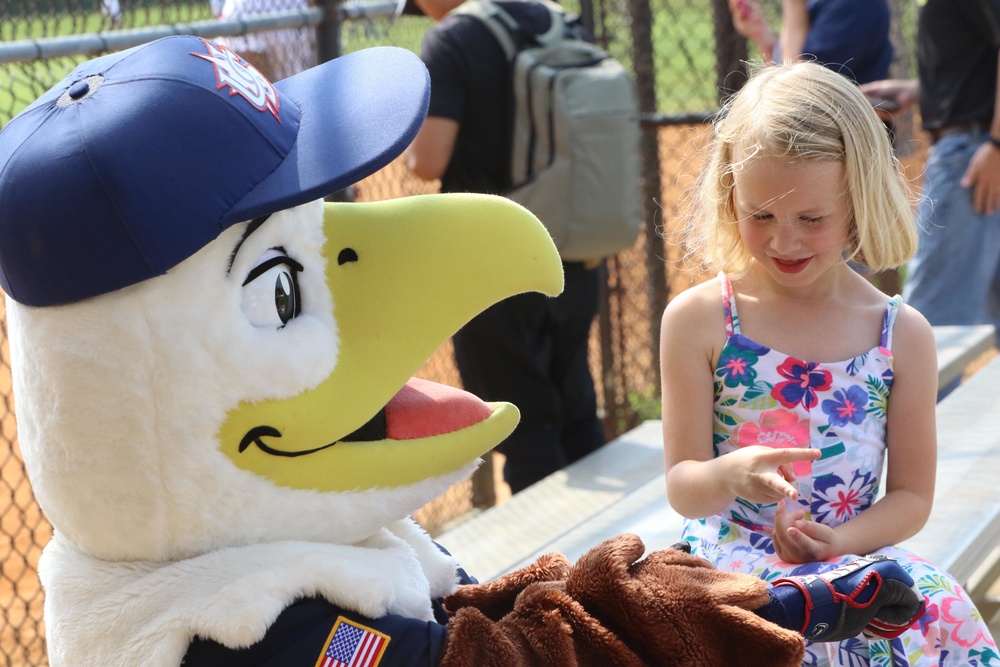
pixel 764 397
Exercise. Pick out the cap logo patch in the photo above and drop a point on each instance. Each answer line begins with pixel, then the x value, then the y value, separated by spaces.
pixel 242 78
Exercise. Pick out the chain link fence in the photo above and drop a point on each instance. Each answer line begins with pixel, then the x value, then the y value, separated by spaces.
pixel 685 56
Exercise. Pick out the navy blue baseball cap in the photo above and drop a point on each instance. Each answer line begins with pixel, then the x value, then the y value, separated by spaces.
pixel 138 159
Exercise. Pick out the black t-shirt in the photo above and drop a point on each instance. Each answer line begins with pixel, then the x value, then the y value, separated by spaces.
pixel 470 84
pixel 957 43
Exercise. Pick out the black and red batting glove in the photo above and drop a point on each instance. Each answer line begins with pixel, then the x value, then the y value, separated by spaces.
pixel 872 595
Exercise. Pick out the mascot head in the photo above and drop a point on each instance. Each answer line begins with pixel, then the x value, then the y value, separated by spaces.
pixel 204 353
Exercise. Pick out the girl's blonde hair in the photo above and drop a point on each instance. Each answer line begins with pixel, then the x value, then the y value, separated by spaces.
pixel 804 111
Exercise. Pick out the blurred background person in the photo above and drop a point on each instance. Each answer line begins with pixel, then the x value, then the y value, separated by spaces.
pixel 849 36
pixel 530 350
pixel 953 279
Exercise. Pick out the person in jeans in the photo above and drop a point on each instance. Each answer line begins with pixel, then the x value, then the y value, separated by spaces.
pixel 529 350
pixel 955 276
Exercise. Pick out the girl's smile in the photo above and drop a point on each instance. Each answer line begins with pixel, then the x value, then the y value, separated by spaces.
pixel 790 265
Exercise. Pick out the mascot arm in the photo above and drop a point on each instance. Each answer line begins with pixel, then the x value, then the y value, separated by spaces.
pixel 613 608
pixel 668 608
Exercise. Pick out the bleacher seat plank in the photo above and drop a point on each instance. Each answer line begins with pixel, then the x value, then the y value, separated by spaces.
pixel 531 523
pixel 963 532
pixel 958 347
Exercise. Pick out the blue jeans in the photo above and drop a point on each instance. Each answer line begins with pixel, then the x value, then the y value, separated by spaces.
pixel 953 277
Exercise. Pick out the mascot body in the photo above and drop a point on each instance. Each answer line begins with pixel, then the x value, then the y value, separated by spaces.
pixel 212 371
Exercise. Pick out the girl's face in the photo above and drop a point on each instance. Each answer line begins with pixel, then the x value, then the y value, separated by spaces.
pixel 794 216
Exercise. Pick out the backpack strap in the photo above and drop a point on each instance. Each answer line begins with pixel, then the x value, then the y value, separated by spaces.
pixel 557 24
pixel 511 35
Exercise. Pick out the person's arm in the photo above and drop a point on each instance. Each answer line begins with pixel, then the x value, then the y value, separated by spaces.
pixel 427 157
pixel 749 21
pixel 911 442
pixel 892 96
pixel 983 172
pixel 686 375
pixel 794 28
pixel 699 485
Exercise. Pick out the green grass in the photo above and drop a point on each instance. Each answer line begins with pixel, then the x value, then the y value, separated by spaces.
pixel 683 45
pixel 684 48
pixel 28 25
pixel 22 83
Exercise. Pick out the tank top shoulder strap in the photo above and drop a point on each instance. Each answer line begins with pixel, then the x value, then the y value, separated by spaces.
pixel 889 320
pixel 729 306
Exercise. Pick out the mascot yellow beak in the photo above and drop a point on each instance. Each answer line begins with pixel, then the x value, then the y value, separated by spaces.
pixel 404 275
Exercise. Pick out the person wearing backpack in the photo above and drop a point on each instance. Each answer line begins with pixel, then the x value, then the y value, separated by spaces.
pixel 529 350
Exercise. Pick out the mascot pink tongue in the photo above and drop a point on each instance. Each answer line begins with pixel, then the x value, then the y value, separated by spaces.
pixel 422 409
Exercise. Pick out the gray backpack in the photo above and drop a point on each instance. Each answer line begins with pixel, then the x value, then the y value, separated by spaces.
pixel 575 153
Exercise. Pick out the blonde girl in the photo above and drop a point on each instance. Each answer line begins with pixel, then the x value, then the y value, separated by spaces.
pixel 788 378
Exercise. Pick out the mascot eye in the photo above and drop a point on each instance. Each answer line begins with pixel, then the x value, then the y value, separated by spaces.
pixel 271 290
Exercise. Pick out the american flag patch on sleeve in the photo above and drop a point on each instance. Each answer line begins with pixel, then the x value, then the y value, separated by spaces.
pixel 352 645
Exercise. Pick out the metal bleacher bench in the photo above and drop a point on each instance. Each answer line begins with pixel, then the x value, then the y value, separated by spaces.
pixel 621 488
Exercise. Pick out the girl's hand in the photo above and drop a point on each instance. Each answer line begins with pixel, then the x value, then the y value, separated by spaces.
pixel 764 474
pixel 892 96
pixel 797 540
